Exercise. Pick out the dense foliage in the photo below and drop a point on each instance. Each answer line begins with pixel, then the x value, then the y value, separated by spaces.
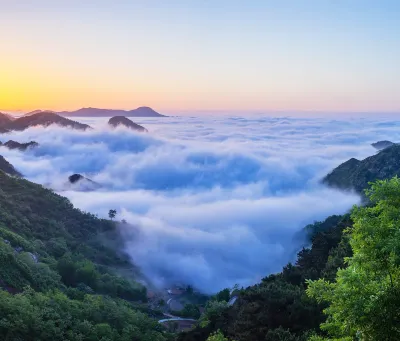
pixel 59 280
pixel 53 316
pixel 364 298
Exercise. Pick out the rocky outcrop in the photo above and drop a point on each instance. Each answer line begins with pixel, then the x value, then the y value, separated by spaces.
pixel 355 174
pixel 20 146
pixel 126 122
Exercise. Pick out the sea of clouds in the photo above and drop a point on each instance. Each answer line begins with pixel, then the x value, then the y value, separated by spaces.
pixel 210 201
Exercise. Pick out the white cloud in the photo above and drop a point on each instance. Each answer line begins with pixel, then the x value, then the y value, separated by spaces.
pixel 210 201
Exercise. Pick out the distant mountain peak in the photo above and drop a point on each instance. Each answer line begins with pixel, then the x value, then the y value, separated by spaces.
pixel 11 144
pixel 42 118
pixel 97 112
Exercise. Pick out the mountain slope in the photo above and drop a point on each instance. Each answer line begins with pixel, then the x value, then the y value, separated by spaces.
pixel 95 112
pixel 43 119
pixel 74 291
pixel 7 167
pixel 355 174
pixel 5 119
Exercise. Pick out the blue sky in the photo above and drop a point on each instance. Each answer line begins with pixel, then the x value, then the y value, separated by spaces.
pixel 209 55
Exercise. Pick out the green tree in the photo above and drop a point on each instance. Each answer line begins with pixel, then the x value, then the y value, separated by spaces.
pixel 112 214
pixel 218 336
pixel 364 300
pixel 223 295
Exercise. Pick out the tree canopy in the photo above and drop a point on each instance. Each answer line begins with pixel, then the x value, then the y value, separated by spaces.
pixel 364 298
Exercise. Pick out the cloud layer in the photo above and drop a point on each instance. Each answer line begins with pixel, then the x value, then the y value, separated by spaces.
pixel 210 201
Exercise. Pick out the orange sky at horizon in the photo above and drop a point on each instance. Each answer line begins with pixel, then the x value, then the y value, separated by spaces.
pixel 31 92
pixel 24 89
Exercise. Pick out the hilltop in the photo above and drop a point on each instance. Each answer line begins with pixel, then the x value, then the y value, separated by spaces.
pixel 81 183
pixel 355 174
pixel 96 112
pixel 44 119
pixel 126 122
pixel 382 144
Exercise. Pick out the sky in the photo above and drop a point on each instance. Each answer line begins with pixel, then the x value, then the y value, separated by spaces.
pixel 191 56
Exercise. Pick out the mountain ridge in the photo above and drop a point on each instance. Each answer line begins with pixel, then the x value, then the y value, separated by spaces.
pixel 99 112
pixel 356 174
pixel 44 119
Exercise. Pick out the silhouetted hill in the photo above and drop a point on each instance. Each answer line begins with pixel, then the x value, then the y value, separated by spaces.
pixel 43 119
pixel 382 144
pixel 355 174
pixel 126 122
pixel 21 146
pixel 95 112
pixel 7 167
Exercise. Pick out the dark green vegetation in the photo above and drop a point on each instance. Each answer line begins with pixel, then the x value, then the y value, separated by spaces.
pixel 355 175
pixel 364 298
pixel 59 280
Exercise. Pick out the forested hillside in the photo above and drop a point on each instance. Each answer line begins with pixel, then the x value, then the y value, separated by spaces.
pixel 59 280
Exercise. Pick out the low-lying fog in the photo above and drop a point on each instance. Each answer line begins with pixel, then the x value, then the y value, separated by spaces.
pixel 210 201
